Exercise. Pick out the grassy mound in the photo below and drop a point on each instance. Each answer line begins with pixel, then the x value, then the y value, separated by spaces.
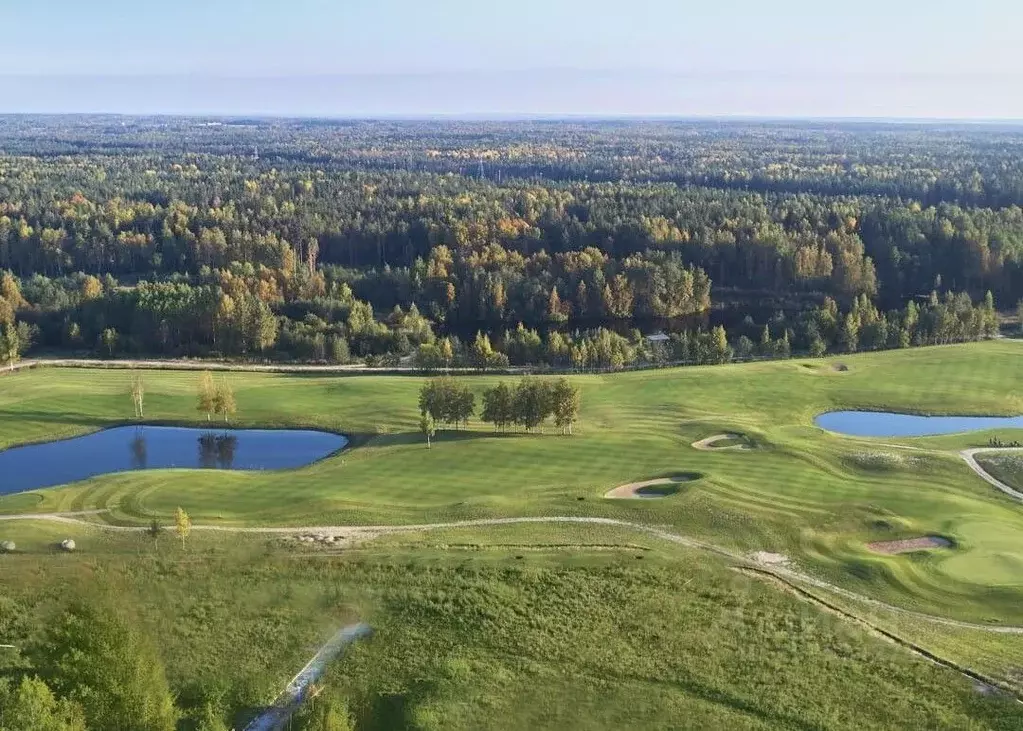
pixel 1005 467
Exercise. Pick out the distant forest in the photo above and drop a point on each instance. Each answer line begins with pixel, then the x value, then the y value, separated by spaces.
pixel 483 244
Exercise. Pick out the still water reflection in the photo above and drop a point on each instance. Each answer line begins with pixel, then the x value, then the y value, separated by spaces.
pixel 160 447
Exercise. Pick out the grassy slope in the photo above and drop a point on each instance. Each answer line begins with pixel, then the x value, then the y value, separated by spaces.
pixel 803 492
pixel 520 628
pixel 630 643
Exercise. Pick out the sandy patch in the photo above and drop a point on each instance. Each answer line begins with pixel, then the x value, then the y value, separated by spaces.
pixel 333 540
pixel 640 490
pixel 770 559
pixel 910 545
pixel 709 444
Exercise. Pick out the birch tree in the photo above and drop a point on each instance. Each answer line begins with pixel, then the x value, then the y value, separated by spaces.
pixel 182 525
pixel 428 426
pixel 207 393
pixel 138 394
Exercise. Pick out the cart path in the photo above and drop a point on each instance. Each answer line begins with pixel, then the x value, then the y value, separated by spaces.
pixel 970 456
pixel 355 532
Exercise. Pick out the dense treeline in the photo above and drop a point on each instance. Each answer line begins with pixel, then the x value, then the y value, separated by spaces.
pixel 336 241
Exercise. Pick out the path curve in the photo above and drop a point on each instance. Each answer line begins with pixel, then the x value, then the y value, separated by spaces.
pixel 371 531
pixel 970 456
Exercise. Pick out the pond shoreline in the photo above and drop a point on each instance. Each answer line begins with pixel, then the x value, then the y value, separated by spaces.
pixel 892 424
pixel 135 447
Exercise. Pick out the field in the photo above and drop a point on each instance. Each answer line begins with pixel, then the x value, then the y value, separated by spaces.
pixel 506 623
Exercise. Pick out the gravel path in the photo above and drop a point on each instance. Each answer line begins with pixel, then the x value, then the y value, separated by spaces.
pixel 370 531
pixel 212 365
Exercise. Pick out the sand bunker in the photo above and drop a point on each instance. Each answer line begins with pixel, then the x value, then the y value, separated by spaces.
pixel 722 441
pixel 658 488
pixel 910 545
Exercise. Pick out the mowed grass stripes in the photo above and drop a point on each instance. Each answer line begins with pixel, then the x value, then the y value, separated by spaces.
pixel 811 495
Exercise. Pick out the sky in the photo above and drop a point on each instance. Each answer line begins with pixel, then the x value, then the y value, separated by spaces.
pixel 784 58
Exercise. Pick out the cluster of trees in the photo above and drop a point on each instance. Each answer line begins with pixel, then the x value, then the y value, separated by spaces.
pixel 447 401
pixel 599 348
pixel 93 670
pixel 531 403
pixel 96 671
pixel 15 337
pixel 528 404
pixel 215 397
pixel 827 328
pixel 193 248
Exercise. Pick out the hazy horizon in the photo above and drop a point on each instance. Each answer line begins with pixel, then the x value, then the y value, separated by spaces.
pixel 539 93
pixel 788 59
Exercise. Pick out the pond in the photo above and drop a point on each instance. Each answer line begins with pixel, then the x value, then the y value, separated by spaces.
pixel 127 448
pixel 889 424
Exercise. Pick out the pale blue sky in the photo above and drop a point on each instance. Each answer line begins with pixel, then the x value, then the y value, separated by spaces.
pixel 945 58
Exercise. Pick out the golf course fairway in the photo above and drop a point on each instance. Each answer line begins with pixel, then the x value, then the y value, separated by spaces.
pixel 638 630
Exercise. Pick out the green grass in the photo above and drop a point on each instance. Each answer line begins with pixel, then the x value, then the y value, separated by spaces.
pixel 804 493
pixel 521 627
pixel 818 498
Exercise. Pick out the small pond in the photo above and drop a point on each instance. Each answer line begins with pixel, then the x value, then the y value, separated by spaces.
pixel 888 424
pixel 160 447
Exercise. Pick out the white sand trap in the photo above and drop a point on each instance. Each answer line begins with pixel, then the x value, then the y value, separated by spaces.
pixel 708 444
pixel 635 490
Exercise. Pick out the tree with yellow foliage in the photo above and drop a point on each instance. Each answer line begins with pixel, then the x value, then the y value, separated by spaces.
pixel 207 393
pixel 182 525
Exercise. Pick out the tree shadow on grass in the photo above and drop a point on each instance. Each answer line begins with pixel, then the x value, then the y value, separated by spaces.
pixel 50 417
pixel 442 437
pixel 392 711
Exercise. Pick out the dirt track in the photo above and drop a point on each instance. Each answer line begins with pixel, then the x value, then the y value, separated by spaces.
pixel 368 531
pixel 202 365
